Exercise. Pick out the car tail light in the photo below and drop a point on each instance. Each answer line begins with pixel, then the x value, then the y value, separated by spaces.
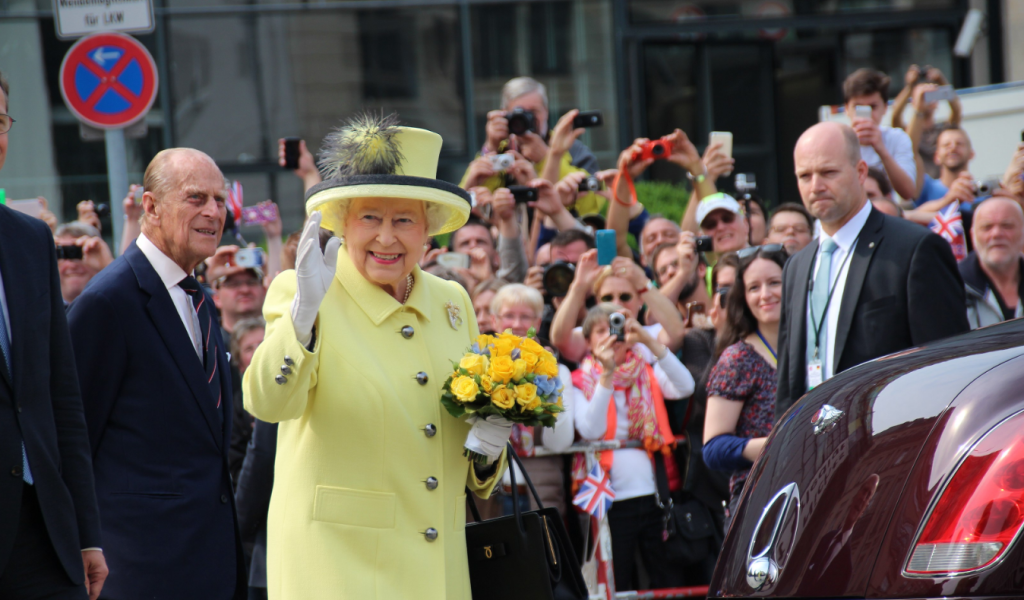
pixel 980 511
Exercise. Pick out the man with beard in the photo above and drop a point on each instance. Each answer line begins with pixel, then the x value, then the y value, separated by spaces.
pixel 953 152
pixel 679 271
pixel 992 273
pixel 847 299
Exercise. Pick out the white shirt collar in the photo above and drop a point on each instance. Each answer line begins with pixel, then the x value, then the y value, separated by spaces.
pixel 848 234
pixel 168 270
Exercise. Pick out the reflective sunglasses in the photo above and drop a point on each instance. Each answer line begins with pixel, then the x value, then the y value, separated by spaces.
pixel 748 252
pixel 623 297
pixel 722 292
pixel 5 123
pixel 710 223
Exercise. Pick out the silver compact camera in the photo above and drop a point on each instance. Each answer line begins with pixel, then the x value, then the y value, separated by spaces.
pixel 617 326
pixel 501 162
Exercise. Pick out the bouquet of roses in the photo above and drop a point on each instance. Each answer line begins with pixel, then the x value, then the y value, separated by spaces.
pixel 505 375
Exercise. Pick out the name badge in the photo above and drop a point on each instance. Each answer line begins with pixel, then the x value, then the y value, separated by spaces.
pixel 813 374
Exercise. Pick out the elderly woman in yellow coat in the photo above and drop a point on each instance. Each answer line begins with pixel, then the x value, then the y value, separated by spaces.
pixel 370 482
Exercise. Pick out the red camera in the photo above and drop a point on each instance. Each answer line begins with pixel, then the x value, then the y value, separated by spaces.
pixel 657 149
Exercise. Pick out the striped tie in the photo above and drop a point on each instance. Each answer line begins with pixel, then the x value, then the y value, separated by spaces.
pixel 5 349
pixel 195 291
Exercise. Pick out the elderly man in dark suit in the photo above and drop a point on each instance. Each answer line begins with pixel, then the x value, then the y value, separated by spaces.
pixel 872 284
pixel 156 387
pixel 49 523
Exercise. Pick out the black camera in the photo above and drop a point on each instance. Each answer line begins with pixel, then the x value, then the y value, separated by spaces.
pixel 523 193
pixel 557 278
pixel 591 184
pixel 102 210
pixel 617 326
pixel 520 121
pixel 69 252
pixel 705 243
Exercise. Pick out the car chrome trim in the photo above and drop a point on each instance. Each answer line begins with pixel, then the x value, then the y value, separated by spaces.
pixel 826 418
pixel 762 568
pixel 935 501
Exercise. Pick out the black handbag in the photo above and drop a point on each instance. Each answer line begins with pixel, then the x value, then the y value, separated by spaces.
pixel 688 527
pixel 525 555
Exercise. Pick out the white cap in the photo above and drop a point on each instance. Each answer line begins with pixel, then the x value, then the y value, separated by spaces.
pixel 715 202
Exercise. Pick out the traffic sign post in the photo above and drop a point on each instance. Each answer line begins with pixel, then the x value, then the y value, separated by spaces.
pixel 109 81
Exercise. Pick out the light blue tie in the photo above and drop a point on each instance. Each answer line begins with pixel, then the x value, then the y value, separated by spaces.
pixel 819 298
pixel 5 348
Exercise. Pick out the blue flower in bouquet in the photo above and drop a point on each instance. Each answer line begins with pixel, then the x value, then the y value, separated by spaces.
pixel 475 349
pixel 516 354
pixel 546 385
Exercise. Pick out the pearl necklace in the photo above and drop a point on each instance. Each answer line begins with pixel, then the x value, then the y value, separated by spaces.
pixel 408 287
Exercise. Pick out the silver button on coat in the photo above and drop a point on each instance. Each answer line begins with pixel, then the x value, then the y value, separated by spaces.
pixel 430 534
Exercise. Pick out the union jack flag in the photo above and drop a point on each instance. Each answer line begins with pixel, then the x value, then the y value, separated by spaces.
pixel 596 494
pixel 235 200
pixel 949 223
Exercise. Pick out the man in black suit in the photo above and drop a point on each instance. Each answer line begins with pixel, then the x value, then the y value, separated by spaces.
pixel 156 387
pixel 49 523
pixel 872 284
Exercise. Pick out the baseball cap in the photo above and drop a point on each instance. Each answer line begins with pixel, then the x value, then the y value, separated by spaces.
pixel 231 271
pixel 720 200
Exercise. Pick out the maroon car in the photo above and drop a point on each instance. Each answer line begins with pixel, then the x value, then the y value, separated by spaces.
pixel 900 478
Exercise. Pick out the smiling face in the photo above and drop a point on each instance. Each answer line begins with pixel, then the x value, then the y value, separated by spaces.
pixel 520 318
pixel 185 217
pixel 831 184
pixel 953 150
pixel 727 229
pixel 998 232
pixel 386 238
pixel 655 233
pixel 762 284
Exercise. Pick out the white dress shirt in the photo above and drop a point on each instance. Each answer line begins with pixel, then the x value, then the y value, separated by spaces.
pixel 171 275
pixel 846 241
pixel 899 146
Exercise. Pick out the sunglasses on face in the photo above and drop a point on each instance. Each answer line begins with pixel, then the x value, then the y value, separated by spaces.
pixel 747 252
pixel 722 292
pixel 712 222
pixel 624 297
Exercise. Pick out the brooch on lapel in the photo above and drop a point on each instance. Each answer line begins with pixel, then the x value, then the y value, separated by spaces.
pixel 454 315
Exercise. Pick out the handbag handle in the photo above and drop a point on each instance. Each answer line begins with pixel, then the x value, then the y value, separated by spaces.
pixel 515 491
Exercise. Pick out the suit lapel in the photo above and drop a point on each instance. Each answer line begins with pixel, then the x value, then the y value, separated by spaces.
pixel 9 244
pixel 869 240
pixel 797 345
pixel 20 291
pixel 165 318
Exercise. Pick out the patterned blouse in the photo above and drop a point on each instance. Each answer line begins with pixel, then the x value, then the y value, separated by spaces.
pixel 743 375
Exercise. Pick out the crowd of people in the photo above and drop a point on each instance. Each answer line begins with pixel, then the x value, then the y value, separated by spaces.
pixel 294 472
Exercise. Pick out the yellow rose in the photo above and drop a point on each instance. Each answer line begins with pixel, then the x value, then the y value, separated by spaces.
pixel 486 384
pixel 531 345
pixel 519 369
pixel 464 389
pixel 503 398
pixel 502 369
pixel 504 345
pixel 531 358
pixel 484 340
pixel 476 364
pixel 546 366
pixel 526 395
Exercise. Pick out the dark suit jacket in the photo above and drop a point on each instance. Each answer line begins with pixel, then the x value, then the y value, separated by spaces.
pixel 40 402
pixel 159 443
pixel 903 289
pixel 255 484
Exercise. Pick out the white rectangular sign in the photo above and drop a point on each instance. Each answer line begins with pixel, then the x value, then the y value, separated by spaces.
pixel 77 18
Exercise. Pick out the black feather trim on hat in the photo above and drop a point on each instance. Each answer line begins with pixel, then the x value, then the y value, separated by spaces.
pixel 365 145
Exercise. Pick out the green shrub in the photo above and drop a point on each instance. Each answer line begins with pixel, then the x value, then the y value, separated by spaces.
pixel 662 197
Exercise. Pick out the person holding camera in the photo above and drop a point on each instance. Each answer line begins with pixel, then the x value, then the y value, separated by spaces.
pixel 624 380
pixel 678 271
pixel 81 254
pixel 742 385
pixel 623 282
pixel 922 128
pixel 522 125
pixel 953 154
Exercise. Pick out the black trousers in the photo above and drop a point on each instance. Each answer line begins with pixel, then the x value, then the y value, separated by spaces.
pixel 636 523
pixel 33 571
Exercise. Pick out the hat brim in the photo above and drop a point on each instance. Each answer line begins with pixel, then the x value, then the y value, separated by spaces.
pixel 454 200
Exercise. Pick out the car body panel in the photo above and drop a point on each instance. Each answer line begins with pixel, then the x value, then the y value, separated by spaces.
pixel 860 476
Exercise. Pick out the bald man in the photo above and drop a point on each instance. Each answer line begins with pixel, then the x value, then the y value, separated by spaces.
pixel 992 273
pixel 870 286
pixel 156 388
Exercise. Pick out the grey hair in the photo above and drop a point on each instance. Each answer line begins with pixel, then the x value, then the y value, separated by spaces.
pixel 521 86
pixel 436 215
pixel 242 328
pixel 76 229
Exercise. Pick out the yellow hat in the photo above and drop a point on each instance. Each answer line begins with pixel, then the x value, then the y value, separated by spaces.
pixel 371 156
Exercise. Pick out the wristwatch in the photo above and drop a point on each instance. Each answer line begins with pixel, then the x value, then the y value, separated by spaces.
pixel 698 178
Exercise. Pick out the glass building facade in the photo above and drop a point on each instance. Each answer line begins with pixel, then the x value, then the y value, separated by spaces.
pixel 237 75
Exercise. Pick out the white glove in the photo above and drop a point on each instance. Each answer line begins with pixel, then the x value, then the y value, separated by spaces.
pixel 488 436
pixel 314 271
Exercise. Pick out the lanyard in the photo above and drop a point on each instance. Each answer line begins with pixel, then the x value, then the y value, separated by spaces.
pixel 828 301
pixel 768 346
